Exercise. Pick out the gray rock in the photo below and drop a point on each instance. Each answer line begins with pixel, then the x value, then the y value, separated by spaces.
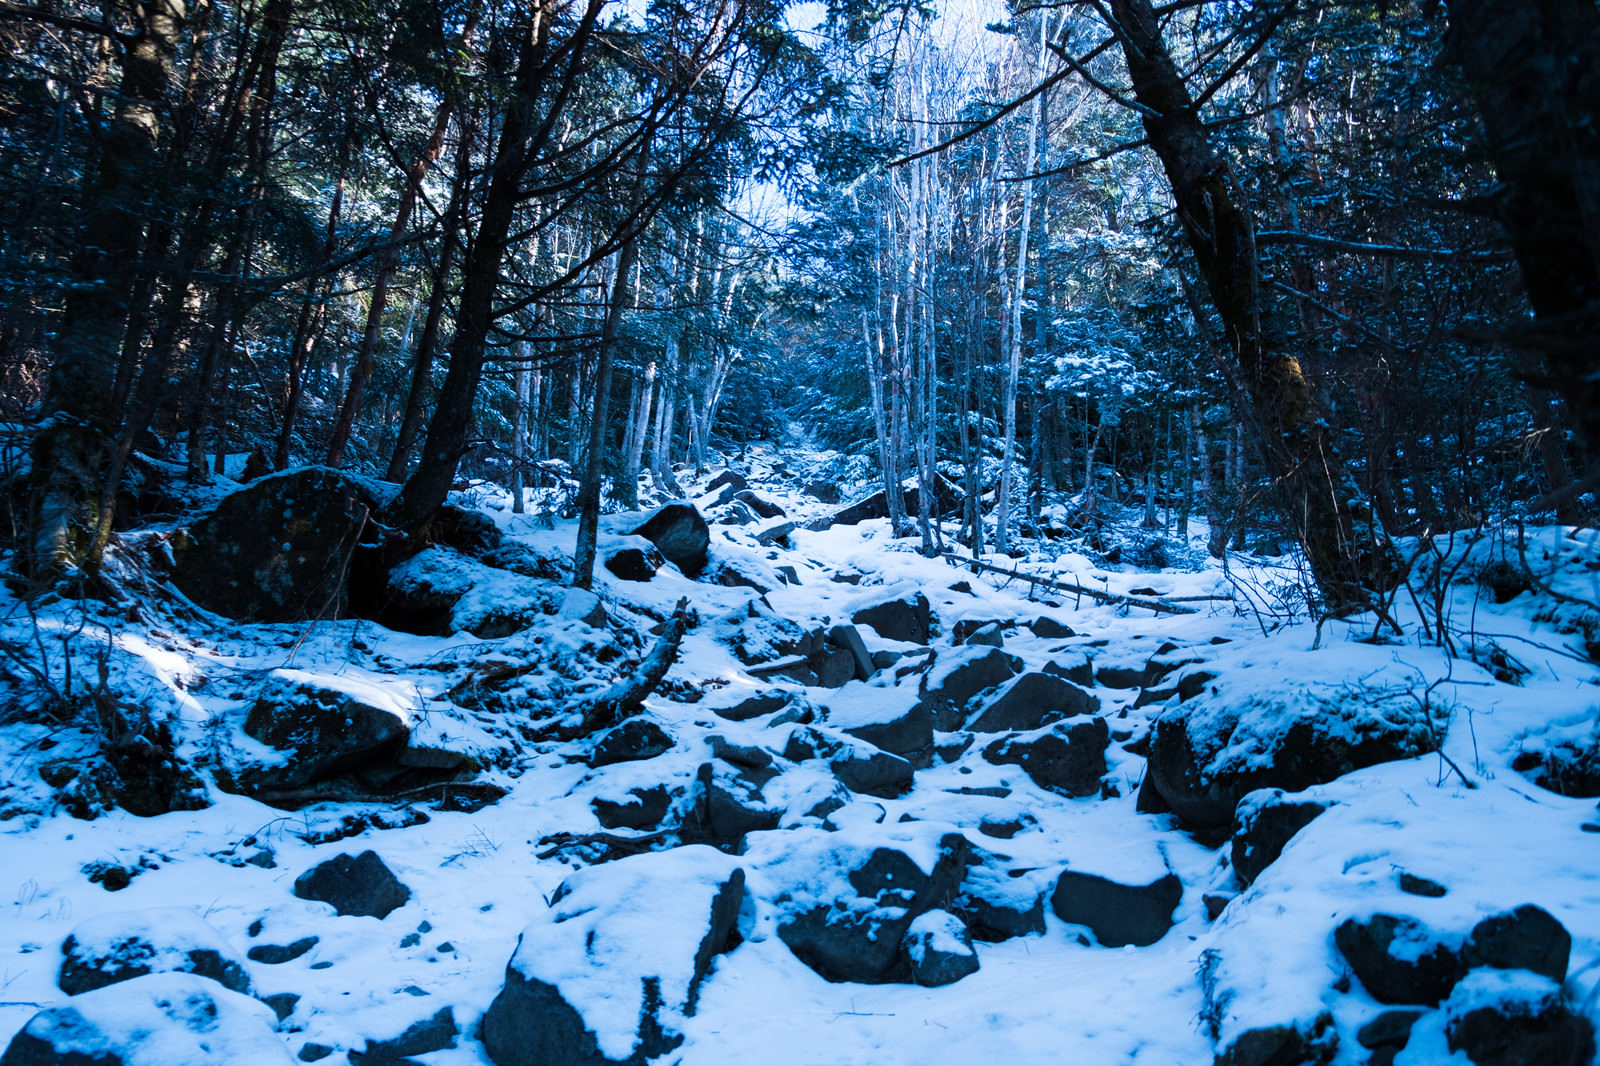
pixel 727 807
pixel 354 885
pixel 952 683
pixel 1116 913
pixel 762 506
pixel 646 810
pixel 1399 959
pixel 1313 1042
pixel 849 638
pixel 1264 823
pixel 119 946
pixel 278 954
pixel 1498 1018
pixel 632 741
pixel 634 564
pixel 1069 757
pixel 680 534
pixel 938 949
pixel 1528 938
pixel 908 617
pixel 326 732
pixel 1050 629
pixel 435 1033
pixel 909 735
pixel 1032 701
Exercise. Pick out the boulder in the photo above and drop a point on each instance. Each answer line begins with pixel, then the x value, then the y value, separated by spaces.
pixel 727 477
pixel 436 1032
pixel 947 499
pixel 1117 913
pixel 1313 1042
pixel 162 1019
pixel 822 491
pixel 278 954
pixel 727 806
pixel 998 902
pixel 632 741
pixel 646 809
pixel 774 533
pixel 955 679
pixel 756 706
pixel 938 949
pixel 1399 959
pixel 120 946
pixel 1387 1034
pixel 1527 938
pixel 680 535
pixel 608 972
pixel 277 550
pixel 1069 757
pixel 325 725
pixel 1516 1018
pixel 763 507
pixel 1032 701
pixel 859 766
pixel 861 934
pixel 354 885
pixel 849 638
pixel 906 617
pixel 903 731
pixel 1076 667
pixel 1048 628
pixel 634 564
pixel 1264 823
pixel 1205 755
pixel 967 628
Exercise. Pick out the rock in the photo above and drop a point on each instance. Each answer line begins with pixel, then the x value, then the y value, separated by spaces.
pixel 861 936
pixel 1205 755
pixel 1391 1029
pixel 277 550
pixel 632 741
pixel 1398 959
pixel 907 733
pixel 763 507
pixel 605 975
pixel 1412 885
pixel 727 477
pixel 967 628
pixel 435 1033
pixel 679 534
pixel 1117 913
pixel 755 706
pixel 581 605
pixel 1112 676
pixel 938 949
pixel 1528 938
pixel 906 617
pixel 634 564
pixel 727 807
pixel 1311 1043
pixel 774 533
pixel 1515 1018
pixel 1049 629
pixel 834 667
pixel 354 885
pixel 859 766
pixel 1078 668
pixel 120 946
pixel 645 811
pixel 997 903
pixel 163 1019
pixel 282 1003
pixel 1264 823
pixel 991 636
pixel 957 678
pixel 1032 701
pixel 849 638
pixel 947 499
pixel 327 726
pixel 278 954
pixel 1069 757
pixel 822 491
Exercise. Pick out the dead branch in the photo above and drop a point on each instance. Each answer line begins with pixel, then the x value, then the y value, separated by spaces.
pixel 627 695
pixel 1158 606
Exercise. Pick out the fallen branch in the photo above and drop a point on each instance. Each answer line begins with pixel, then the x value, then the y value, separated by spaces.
pixel 626 696
pixel 1158 606
pixel 612 842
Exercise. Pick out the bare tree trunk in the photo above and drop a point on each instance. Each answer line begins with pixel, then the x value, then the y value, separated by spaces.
pixel 519 430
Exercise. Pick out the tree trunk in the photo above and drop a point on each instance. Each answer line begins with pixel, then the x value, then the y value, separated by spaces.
pixel 1534 66
pixel 1343 543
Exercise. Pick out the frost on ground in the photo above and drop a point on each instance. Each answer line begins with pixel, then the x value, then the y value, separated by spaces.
pixel 880 810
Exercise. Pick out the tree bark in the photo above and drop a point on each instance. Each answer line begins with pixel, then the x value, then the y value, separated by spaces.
pixel 1343 542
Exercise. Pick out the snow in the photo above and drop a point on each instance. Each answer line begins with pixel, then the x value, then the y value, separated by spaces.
pixel 481 880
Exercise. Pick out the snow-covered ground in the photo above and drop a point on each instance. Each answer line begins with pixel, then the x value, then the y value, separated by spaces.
pixel 478 880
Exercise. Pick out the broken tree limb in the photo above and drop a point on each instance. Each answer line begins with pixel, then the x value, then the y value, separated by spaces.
pixel 627 695
pixel 1158 606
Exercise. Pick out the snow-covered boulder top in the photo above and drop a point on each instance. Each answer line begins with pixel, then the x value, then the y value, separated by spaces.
pixel 122 945
pixel 657 917
pixel 167 1019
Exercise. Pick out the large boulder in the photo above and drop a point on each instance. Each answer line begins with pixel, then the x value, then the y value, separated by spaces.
pixel 354 885
pixel 938 949
pixel 1205 755
pixel 1399 959
pixel 887 722
pixel 954 679
pixel 1117 913
pixel 855 927
pixel 163 1019
pixel 278 550
pixel 1516 1018
pixel 906 616
pixel 632 741
pixel 1264 823
pixel 859 766
pixel 1068 757
pixel 1031 701
pixel 120 946
pixel 324 726
pixel 680 534
pixel 607 973
pixel 999 901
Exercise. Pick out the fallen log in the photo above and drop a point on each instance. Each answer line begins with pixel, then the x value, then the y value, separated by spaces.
pixel 627 695
pixel 1102 596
